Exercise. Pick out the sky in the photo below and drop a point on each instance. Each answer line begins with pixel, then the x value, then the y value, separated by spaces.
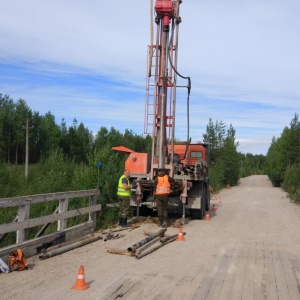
pixel 86 60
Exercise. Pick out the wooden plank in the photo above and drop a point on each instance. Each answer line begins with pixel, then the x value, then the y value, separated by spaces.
pixel 290 264
pixel 187 285
pixel 203 288
pixel 290 275
pixel 152 280
pixel 238 284
pixel 31 199
pixel 184 287
pixel 124 288
pixel 271 291
pixel 47 219
pixel 167 291
pixel 62 207
pixel 281 284
pixel 259 275
pixel 23 213
pixel 122 252
pixel 129 286
pixel 249 282
pixel 219 277
pixel 93 215
pixel 228 281
pixel 157 286
pixel 135 292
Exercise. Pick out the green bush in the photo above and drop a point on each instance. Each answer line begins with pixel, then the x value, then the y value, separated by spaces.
pixel 216 176
pixel 291 182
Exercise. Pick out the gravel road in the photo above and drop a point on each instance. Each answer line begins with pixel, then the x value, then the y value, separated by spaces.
pixel 249 249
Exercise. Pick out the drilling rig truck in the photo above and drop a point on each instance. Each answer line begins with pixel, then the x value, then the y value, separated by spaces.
pixel 185 162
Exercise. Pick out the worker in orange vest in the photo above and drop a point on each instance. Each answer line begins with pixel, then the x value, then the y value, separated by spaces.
pixel 162 189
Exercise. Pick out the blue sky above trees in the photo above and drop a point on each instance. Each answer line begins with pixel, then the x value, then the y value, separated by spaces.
pixel 88 61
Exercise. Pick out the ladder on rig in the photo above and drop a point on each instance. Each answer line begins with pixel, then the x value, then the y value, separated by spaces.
pixel 152 79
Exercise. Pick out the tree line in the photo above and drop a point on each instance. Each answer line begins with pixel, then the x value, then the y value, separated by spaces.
pixel 76 145
pixel 283 160
pixel 79 150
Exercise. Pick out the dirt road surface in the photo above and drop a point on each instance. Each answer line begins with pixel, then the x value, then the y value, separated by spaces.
pixel 249 249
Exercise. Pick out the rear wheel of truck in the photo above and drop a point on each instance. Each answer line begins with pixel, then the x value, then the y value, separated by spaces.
pixel 206 196
pixel 196 214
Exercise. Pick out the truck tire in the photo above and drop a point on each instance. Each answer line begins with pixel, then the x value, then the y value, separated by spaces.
pixel 196 214
pixel 206 195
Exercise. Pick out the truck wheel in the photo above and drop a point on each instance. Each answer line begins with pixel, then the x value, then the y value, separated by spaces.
pixel 203 205
pixel 206 195
pixel 195 214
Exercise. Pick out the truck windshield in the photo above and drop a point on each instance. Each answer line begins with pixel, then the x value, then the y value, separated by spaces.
pixel 196 154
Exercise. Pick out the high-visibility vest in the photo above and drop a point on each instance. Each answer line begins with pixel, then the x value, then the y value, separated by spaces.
pixel 163 185
pixel 121 190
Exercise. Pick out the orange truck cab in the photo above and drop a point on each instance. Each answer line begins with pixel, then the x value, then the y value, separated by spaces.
pixel 195 153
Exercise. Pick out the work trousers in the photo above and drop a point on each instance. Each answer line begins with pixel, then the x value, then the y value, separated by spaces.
pixel 124 205
pixel 162 205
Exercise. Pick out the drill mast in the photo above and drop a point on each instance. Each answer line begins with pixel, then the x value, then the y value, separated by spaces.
pixel 161 83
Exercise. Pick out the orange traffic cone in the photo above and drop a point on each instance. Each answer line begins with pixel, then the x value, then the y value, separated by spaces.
pixel 80 282
pixel 180 236
pixel 214 208
pixel 207 217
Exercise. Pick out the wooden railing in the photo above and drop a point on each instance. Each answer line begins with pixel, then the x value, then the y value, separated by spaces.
pixel 34 246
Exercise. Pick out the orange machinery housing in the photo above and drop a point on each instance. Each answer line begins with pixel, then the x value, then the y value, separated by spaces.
pixel 140 163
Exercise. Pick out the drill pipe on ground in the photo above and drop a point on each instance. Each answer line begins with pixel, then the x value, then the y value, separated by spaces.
pixel 167 238
pixel 68 248
pixel 146 240
pixel 45 250
pixel 150 233
pixel 122 252
pixel 144 253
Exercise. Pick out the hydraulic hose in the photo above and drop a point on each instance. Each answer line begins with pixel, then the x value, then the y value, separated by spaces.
pixel 188 87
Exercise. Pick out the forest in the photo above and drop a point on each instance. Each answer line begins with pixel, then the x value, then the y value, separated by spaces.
pixel 66 158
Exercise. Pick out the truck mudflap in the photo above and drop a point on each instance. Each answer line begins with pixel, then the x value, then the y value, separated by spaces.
pixel 198 201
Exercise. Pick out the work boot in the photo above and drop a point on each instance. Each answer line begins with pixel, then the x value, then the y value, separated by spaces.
pixel 124 222
pixel 161 220
pixel 164 223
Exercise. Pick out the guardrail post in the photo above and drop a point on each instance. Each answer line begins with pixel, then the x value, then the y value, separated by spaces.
pixel 63 207
pixel 23 215
pixel 92 215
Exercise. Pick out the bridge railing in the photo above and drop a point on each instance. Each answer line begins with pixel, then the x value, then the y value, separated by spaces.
pixel 22 222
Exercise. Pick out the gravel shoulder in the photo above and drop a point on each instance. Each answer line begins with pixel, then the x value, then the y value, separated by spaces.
pixel 248 250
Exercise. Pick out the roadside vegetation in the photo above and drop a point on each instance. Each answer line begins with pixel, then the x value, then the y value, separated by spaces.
pixel 63 158
pixel 283 160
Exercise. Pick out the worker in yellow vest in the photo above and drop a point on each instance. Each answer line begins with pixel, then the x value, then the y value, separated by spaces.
pixel 123 193
pixel 162 189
